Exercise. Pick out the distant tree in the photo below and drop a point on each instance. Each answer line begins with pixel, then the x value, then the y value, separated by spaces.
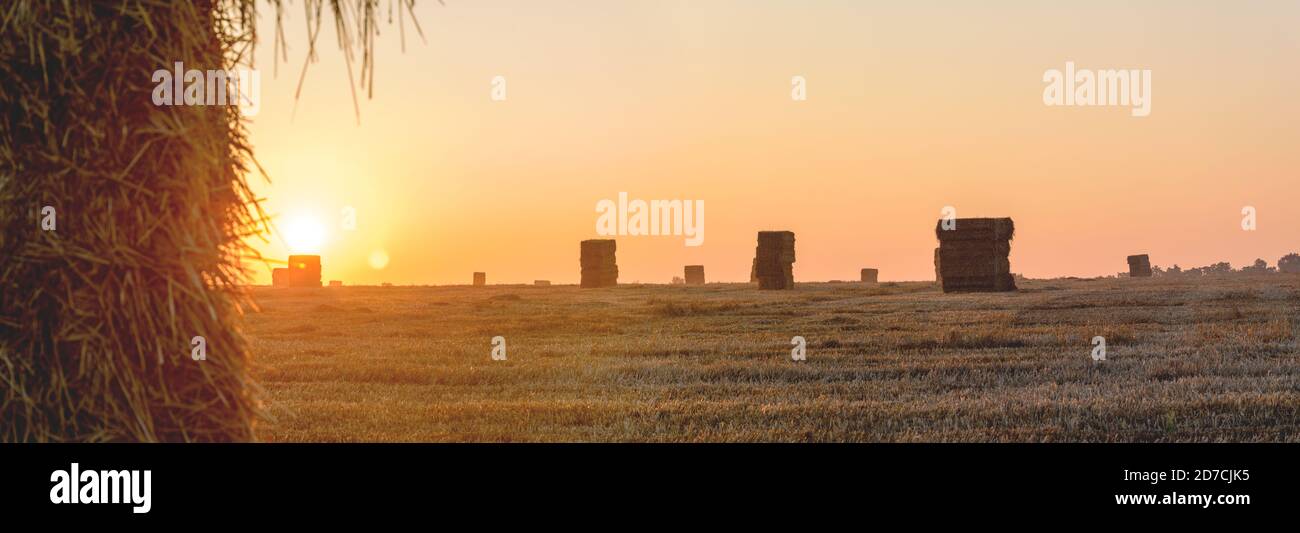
pixel 1260 267
pixel 1220 268
pixel 1289 263
pixel 1174 270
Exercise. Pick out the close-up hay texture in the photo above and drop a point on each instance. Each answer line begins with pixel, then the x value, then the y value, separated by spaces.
pixel 153 211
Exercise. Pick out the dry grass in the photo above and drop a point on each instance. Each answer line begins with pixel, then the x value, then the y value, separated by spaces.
pixel 1198 360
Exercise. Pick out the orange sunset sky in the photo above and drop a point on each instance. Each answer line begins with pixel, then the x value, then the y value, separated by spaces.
pixel 911 106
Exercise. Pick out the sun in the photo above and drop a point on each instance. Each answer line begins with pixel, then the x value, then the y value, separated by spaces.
pixel 303 234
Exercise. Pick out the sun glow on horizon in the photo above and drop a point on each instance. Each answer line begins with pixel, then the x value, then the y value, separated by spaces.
pixel 303 234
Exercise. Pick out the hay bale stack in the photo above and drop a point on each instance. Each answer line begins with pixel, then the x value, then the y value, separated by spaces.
pixel 753 271
pixel 870 275
pixel 774 260
pixel 975 255
pixel 695 274
pixel 154 213
pixel 1139 266
pixel 599 268
pixel 279 277
pixel 542 283
pixel 336 283
pixel 480 279
pixel 938 271
pixel 304 271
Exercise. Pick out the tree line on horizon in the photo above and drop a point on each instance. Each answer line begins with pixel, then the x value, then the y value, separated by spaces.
pixel 1287 264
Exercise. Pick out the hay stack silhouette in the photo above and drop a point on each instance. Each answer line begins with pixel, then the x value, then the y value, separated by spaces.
pixel 279 277
pixel 1139 266
pixel 870 275
pixel 542 283
pixel 480 279
pixel 695 274
pixel 974 256
pixel 774 260
pixel 599 267
pixel 304 271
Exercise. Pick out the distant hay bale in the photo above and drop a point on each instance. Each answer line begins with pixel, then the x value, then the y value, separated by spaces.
pixel 304 271
pixel 870 275
pixel 336 283
pixel 542 283
pixel 974 256
pixel 1139 266
pixel 774 260
pixel 280 277
pixel 599 267
pixel 480 279
pixel 694 274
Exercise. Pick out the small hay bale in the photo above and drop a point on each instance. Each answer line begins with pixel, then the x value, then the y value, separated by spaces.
pixel 480 279
pixel 280 277
pixel 1139 266
pixel 694 274
pixel 870 275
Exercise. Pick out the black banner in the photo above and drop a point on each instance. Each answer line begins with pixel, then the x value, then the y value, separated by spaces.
pixel 324 482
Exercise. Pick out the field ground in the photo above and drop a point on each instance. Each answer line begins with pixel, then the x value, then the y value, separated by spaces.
pixel 1188 360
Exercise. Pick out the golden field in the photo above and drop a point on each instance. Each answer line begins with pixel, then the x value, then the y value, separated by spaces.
pixel 1206 359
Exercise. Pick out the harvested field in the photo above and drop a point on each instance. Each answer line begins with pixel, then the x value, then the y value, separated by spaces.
pixel 1189 360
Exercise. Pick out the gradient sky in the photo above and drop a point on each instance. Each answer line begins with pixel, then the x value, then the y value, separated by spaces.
pixel 912 106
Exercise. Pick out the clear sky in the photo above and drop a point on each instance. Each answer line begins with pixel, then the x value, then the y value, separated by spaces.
pixel 911 106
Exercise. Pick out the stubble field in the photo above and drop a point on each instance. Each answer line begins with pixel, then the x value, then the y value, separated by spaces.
pixel 1210 359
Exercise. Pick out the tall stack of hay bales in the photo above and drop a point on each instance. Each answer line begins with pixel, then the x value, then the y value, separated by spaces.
pixel 480 279
pixel 154 216
pixel 304 271
pixel 599 268
pixel 974 256
pixel 870 275
pixel 1139 266
pixel 753 271
pixel 695 274
pixel 279 277
pixel 774 260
